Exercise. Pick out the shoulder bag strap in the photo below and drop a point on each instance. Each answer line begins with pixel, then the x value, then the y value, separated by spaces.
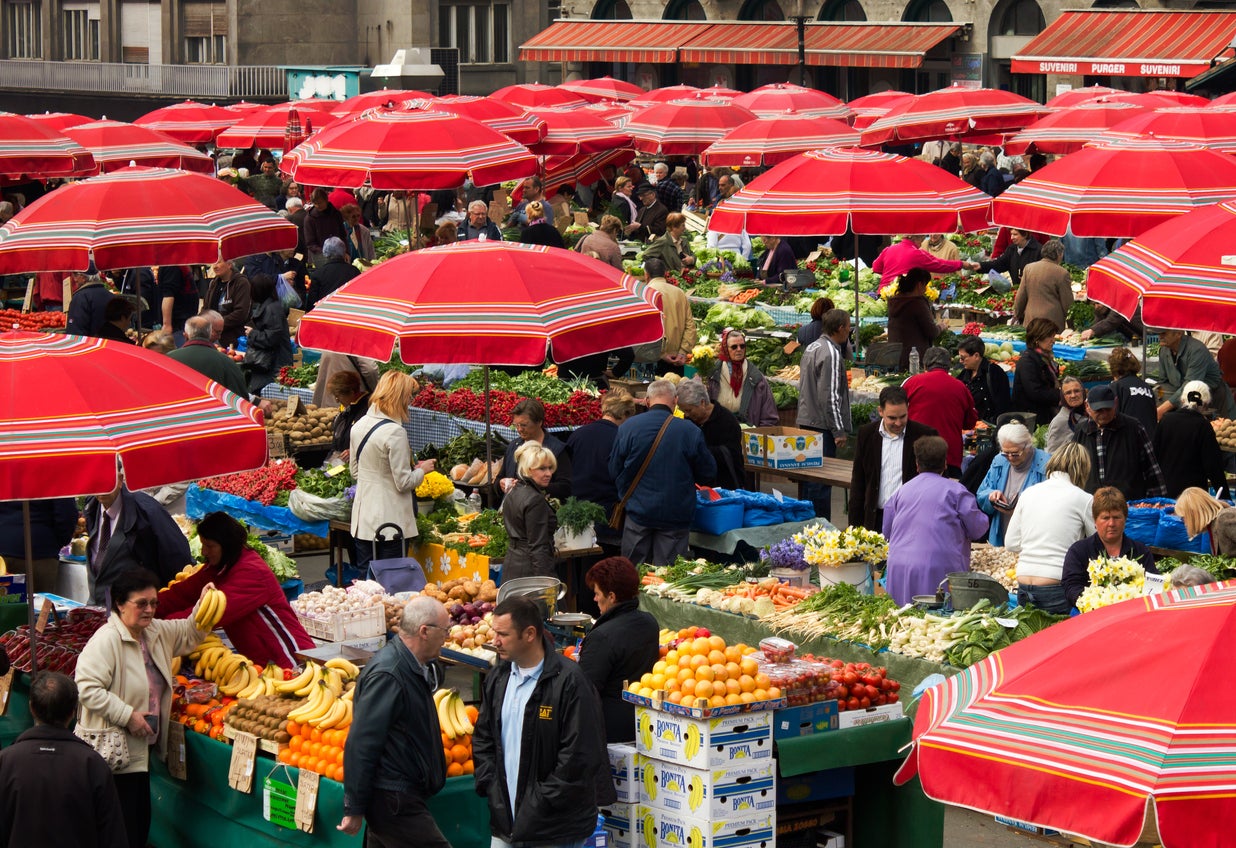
pixel 364 380
pixel 647 460
pixel 372 430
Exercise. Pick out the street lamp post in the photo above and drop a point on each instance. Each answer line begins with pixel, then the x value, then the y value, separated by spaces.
pixel 800 18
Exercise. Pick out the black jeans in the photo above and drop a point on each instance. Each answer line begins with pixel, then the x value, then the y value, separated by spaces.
pixel 134 792
pixel 397 819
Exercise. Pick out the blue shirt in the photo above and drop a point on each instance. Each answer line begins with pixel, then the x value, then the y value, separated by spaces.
pixel 518 693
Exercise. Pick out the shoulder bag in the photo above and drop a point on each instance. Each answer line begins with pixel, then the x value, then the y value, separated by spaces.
pixel 617 516
pixel 110 743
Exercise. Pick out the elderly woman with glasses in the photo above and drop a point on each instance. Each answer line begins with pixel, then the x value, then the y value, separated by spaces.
pixel 529 517
pixel 1018 467
pixel 740 387
pixel 528 420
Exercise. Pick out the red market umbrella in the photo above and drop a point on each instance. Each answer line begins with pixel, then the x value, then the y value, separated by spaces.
pixel 483 302
pixel 190 122
pixel 1033 733
pixel 767 141
pixel 136 217
pixel 267 126
pixel 28 147
pixel 574 131
pixel 244 106
pixel 1157 99
pixel 770 101
pixel 952 113
pixel 1077 96
pixel 616 113
pixel 318 105
pixel 59 121
pixel 536 96
pixel 1224 101
pixel 294 134
pixel 583 168
pixel 665 95
pixel 388 98
pixel 1068 130
pixel 1212 128
pixel 870 107
pixel 408 150
pixel 684 127
pixel 117 145
pixel 825 192
pixel 515 122
pixel 1117 189
pixel 602 89
pixel 99 401
pixel 1181 272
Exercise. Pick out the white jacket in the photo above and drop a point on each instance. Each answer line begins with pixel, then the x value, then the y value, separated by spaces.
pixel 385 478
pixel 1049 517
pixel 112 683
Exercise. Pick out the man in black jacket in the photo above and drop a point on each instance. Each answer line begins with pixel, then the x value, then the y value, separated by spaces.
pixel 873 480
pixel 539 745
pixel 130 530
pixel 393 762
pixel 988 383
pixel 333 272
pixel 49 770
pixel 1121 454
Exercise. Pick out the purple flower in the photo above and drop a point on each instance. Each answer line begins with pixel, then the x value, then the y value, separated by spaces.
pixel 785 554
pixel 350 492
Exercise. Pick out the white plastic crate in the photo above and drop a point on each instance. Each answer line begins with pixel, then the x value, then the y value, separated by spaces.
pixel 350 624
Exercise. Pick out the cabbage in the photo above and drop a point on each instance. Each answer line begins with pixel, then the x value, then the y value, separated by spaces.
pixel 739 317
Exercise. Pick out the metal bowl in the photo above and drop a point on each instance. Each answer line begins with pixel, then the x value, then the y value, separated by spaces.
pixel 572 619
pixel 928 602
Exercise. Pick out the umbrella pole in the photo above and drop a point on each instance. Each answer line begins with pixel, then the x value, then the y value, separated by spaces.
pixel 856 321
pixel 34 636
pixel 489 446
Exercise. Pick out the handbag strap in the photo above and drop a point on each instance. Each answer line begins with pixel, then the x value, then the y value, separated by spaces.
pixel 372 430
pixel 647 460
pixel 364 380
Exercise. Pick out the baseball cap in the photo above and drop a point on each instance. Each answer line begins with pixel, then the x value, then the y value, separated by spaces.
pixel 1101 397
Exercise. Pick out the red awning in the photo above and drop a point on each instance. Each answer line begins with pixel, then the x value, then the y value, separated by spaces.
pixel 656 42
pixel 1128 43
pixel 864 45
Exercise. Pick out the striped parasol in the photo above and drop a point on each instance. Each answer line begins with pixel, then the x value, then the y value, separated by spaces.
pixel 665 95
pixel 1039 733
pixel 1078 96
pixel 769 101
pixel 871 107
pixel 826 192
pixel 584 168
pixel 1212 128
pixel 515 122
pixel 603 88
pixel 572 131
pixel 408 150
pixel 1069 130
pixel 951 113
pixel 28 147
pixel 115 144
pixel 136 217
pixel 684 127
pixel 483 302
pixel 59 121
pixel 1117 189
pixel 267 126
pixel 770 140
pixel 1181 272
pixel 190 122
pixel 533 95
pixel 101 400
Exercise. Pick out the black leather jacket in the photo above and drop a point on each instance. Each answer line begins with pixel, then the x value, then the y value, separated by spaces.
pixel 395 744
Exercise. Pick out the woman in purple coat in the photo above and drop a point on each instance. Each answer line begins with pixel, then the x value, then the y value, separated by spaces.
pixel 929 524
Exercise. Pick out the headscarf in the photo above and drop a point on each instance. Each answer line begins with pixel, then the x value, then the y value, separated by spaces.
pixel 735 368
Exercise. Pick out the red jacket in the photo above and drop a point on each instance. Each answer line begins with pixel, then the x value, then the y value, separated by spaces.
pixel 898 258
pixel 258 620
pixel 940 400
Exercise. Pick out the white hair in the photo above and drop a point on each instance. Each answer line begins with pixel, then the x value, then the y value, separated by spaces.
pixel 418 612
pixel 662 390
pixel 478 204
pixel 1014 433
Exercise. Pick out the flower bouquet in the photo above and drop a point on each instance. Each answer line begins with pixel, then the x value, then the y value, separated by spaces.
pixel 1112 581
pixel 435 491
pixel 830 548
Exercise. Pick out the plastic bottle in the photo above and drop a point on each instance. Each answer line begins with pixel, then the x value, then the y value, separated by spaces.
pixel 474 502
pixel 915 362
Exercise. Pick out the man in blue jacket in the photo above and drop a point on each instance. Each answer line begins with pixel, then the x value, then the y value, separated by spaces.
pixel 662 502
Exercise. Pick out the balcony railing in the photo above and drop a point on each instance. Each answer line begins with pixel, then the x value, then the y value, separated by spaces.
pixel 201 81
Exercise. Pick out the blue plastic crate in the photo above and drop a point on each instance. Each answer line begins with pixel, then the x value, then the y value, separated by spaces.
pixel 717 517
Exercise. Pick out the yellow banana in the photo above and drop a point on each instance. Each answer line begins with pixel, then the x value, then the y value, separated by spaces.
pixel 311 705
pixel 176 662
pixel 256 687
pixel 446 717
pixel 314 680
pixel 334 680
pixel 242 679
pixel 325 702
pixel 205 618
pixel 287 687
pixel 349 669
pixel 462 722
pixel 346 721
pixel 347 696
pixel 333 715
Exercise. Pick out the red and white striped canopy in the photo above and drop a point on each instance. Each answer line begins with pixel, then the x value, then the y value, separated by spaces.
pixel 513 121
pixel 29 147
pixel 767 141
pixel 1212 128
pixel 953 112
pixel 58 121
pixel 483 303
pixel 1068 130
pixel 189 122
pixel 533 95
pixel 1077 96
pixel 135 217
pixel 266 126
pixel 408 150
pixel 603 88
pixel 871 107
pixel 572 131
pixel 584 168
pixel 684 127
pixel 117 145
pixel 71 406
pixel 825 192
pixel 769 101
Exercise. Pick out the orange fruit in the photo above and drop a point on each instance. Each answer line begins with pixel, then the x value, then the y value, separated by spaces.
pixel 306 731
pixel 454 770
pixel 336 773
pixel 446 741
pixel 658 681
pixel 773 693
pixel 293 729
pixel 687 686
pixel 749 666
pixel 285 756
pixel 717 643
pixel 701 646
pixel 760 694
pixel 733 653
pixel 315 734
pixel 746 683
pixel 703 689
pixel 672 685
pixel 704 673
pixel 686 632
pixel 308 763
pixel 698 661
pixel 294 759
pixel 717 701
pixel 468 767
pixel 658 667
pixel 294 743
pixel 716 657
pixel 747 698
pixel 675 697
pixel 733 669
pixel 645 680
pixel 685 673
pixel 732 700
pixel 732 687
pixel 670 672
pixel 671 657
pixel 473 715
pixel 459 753
pixel 762 681
pixel 719 673
pixel 688 700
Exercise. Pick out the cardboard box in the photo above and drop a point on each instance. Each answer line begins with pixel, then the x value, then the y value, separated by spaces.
pixel 871 715
pixel 12 589
pixel 784 447
pixel 620 826
pixel 660 827
pixel 282 542
pixel 830 839
pixel 805 720
pixel 711 793
pixel 816 786
pixel 704 743
pixel 624 769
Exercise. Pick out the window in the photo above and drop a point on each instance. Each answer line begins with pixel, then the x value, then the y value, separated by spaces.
pixel 24 25
pixel 481 30
pixel 761 10
pixel 842 10
pixel 80 34
pixel 928 12
pixel 685 10
pixel 612 10
pixel 205 31
pixel 206 50
pixel 1022 18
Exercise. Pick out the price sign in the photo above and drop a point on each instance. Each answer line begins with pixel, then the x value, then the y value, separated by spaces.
pixel 244 754
pixel 306 799
pixel 176 762
pixel 279 800
pixel 44 613
pixel 6 686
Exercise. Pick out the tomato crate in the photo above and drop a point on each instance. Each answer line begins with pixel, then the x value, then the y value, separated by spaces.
pixel 349 624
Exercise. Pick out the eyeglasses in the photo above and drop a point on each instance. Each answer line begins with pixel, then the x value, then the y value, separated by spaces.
pixel 439 627
pixel 737 347
pixel 145 603
pixel 1014 452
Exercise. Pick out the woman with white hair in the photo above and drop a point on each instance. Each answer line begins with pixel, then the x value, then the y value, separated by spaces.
pixel 1186 446
pixel 529 517
pixel 1019 466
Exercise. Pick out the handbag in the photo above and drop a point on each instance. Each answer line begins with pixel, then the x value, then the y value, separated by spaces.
pixel 617 516
pixel 109 743
pixel 262 360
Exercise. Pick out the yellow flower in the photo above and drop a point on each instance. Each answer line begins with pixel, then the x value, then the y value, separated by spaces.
pixel 434 486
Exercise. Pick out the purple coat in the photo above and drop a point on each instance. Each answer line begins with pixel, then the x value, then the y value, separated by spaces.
pixel 929 524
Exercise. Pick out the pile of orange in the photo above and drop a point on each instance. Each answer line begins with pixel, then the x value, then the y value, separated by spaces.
pixel 206 719
pixel 458 752
pixel 705 671
pixel 315 749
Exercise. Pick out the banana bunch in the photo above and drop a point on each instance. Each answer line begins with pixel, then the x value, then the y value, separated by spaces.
pixel 695 839
pixel 695 795
pixel 452 715
pixel 263 684
pixel 650 829
pixel 230 671
pixel 327 705
pixel 691 745
pixel 187 571
pixel 210 610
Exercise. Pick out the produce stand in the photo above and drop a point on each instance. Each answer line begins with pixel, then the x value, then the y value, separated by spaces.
pixel 756 537
pixel 429 427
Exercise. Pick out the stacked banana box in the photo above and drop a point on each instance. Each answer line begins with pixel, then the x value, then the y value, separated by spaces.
pixel 702 783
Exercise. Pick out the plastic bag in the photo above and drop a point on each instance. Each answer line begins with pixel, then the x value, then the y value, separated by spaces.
pixel 1143 525
pixel 309 507
pixel 1171 534
pixel 287 295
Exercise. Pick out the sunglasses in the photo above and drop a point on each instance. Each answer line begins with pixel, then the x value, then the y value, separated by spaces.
pixel 737 347
pixel 145 603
